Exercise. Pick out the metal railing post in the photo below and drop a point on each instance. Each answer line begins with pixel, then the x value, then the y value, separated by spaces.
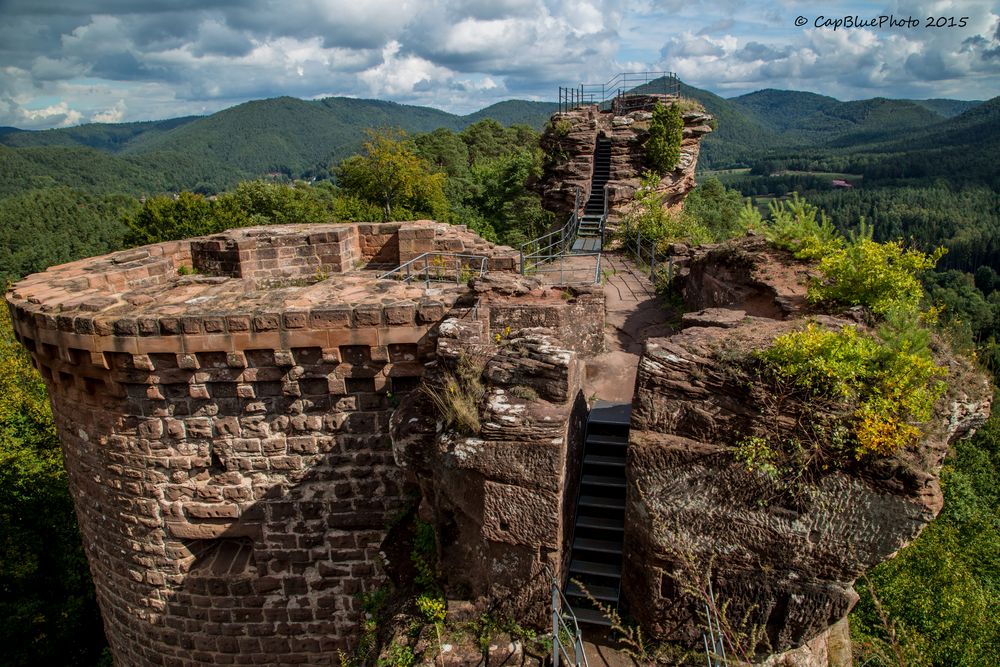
pixel 555 625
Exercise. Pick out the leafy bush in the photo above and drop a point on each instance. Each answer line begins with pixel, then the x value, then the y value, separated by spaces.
pixel 663 147
pixel 398 656
pixel 881 276
pixel 888 387
pixel 717 209
pixel 800 227
pixel 654 223
pixel 936 602
pixel 48 604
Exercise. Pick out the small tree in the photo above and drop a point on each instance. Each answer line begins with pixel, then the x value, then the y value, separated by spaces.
pixel 391 174
pixel 164 218
pixel 663 148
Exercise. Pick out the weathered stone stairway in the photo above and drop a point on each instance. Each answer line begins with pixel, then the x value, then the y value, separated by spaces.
pixel 593 211
pixel 596 557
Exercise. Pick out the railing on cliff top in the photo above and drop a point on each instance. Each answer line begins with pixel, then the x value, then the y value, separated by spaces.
pixel 543 249
pixel 621 86
pixel 440 267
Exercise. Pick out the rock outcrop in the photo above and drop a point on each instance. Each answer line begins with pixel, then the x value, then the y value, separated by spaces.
pixel 696 514
pixel 497 498
pixel 570 139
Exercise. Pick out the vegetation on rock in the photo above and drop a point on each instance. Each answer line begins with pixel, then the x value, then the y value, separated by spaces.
pixel 457 394
pixel 711 213
pixel 663 146
pixel 885 391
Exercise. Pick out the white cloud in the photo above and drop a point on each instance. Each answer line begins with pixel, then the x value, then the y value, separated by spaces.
pixel 66 61
pixel 403 74
pixel 113 115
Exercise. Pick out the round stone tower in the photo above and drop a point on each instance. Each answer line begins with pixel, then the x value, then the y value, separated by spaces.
pixel 223 406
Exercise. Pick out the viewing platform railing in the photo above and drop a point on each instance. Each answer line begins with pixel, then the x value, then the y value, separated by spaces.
pixel 621 86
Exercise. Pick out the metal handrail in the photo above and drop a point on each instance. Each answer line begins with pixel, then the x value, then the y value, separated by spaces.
pixel 433 267
pixel 645 252
pixel 544 248
pixel 621 85
pixel 715 653
pixel 561 609
pixel 557 265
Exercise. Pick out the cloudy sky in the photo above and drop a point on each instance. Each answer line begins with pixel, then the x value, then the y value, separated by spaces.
pixel 65 62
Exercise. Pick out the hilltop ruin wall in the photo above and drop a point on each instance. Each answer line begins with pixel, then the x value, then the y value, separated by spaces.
pixel 226 432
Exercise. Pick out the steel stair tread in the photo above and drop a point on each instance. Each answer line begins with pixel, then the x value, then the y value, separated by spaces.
pixel 601 439
pixel 602 593
pixel 599 501
pixel 599 460
pixel 591 617
pixel 597 569
pixel 603 480
pixel 602 546
pixel 600 523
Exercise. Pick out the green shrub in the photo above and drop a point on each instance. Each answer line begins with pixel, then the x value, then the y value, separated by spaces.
pixel 717 209
pixel 654 223
pixel 561 127
pixel 939 596
pixel 663 147
pixel 881 276
pixel 800 227
pixel 887 387
pixel 398 656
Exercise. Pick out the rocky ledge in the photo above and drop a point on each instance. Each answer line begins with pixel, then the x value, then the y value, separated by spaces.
pixel 696 515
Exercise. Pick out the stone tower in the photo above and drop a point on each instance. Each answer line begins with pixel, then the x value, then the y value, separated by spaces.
pixel 223 405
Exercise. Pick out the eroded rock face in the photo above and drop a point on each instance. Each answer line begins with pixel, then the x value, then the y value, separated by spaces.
pixel 746 274
pixel 497 498
pixel 789 564
pixel 570 139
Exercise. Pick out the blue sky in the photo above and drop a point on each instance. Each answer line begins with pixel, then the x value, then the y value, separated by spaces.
pixel 65 62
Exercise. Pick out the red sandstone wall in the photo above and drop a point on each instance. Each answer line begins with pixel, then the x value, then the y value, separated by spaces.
pixel 226 443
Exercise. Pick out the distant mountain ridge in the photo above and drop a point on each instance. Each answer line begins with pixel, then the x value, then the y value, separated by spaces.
pixel 302 138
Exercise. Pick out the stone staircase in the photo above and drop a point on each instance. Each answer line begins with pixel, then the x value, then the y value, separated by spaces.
pixel 596 557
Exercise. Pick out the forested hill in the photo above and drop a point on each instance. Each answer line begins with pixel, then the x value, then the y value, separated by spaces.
pixel 302 138
pixel 771 122
pixel 110 137
pixel 283 135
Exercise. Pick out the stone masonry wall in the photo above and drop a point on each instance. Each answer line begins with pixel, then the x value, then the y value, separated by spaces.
pixel 226 442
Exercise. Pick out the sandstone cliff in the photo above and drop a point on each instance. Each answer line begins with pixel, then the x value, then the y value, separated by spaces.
pixel 569 141
pixel 784 562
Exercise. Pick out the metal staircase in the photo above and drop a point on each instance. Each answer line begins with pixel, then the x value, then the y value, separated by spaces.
pixel 596 557
pixel 590 231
